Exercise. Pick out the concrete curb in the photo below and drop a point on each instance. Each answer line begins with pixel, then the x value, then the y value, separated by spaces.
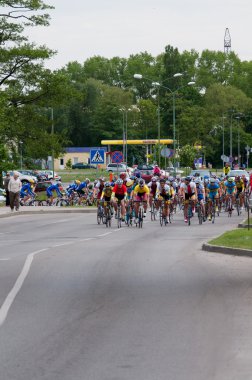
pixel 49 211
pixel 227 250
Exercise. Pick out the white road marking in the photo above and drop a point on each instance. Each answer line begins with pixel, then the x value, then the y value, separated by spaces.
pixel 17 286
pixel 4 259
pixel 107 233
pixel 4 310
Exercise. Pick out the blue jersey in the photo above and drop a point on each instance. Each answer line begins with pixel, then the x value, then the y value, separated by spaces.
pixel 26 189
pixel 71 188
pixel 230 186
pixel 200 192
pixel 50 189
pixel 81 186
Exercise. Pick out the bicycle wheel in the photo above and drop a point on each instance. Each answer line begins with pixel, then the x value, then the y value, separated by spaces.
pixel 153 216
pixel 189 214
pixel 118 214
pixel 200 216
pixel 99 215
pixel 238 206
pixel 161 218
pixel 140 217
pixel 213 212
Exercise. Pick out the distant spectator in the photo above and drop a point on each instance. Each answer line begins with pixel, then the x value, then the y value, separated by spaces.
pixel 6 183
pixel 14 187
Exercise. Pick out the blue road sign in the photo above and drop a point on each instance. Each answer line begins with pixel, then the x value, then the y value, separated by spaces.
pixel 117 157
pixel 97 156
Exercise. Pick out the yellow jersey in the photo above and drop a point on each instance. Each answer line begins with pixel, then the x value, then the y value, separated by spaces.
pixel 141 190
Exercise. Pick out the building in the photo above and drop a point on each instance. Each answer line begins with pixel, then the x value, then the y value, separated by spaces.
pixel 75 154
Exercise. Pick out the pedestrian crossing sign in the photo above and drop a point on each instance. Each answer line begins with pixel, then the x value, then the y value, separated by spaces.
pixel 97 156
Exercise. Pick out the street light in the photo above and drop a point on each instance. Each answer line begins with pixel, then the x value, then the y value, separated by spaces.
pixel 21 154
pixel 173 93
pixel 125 129
pixel 158 85
pixel 52 133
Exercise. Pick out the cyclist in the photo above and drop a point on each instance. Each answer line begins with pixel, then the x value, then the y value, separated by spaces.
pixel 153 189
pixel 107 194
pixel 189 193
pixel 213 190
pixel 26 192
pixel 99 188
pixel 164 192
pixel 240 189
pixel 230 188
pixel 157 171
pixel 119 193
pixel 141 194
pixel 50 189
pixel 201 196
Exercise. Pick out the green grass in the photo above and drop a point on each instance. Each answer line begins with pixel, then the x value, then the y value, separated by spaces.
pixel 240 238
pixel 81 175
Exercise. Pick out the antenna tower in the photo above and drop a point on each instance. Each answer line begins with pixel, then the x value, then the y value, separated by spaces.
pixel 227 42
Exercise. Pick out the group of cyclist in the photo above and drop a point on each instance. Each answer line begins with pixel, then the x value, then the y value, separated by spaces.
pixel 170 191
pixel 203 192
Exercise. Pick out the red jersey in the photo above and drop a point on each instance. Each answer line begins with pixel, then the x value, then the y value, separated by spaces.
pixel 120 190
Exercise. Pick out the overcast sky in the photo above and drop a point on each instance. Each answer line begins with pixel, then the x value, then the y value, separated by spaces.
pixel 80 29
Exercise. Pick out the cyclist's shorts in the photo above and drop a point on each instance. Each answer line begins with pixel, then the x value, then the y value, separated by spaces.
pixel 80 192
pixel 213 195
pixel 23 194
pixel 230 191
pixel 166 197
pixel 107 199
pixel 190 196
pixel 141 197
pixel 239 190
pixel 120 197
pixel 200 197
pixel 49 193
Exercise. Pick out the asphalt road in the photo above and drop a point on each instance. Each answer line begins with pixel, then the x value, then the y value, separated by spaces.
pixel 81 302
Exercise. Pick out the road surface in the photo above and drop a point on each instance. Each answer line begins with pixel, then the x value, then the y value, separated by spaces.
pixel 82 302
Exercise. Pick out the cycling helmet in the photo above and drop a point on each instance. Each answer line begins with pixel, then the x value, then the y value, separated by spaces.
pixel 212 180
pixel 58 183
pixel 197 180
pixel 237 178
pixel 141 182
pixel 107 184
pixel 162 180
pixel 129 182
pixel 102 179
pixel 230 179
pixel 123 176
pixel 153 179
pixel 138 174
pixel 87 180
pixel 119 181
pixel 77 182
pixel 187 178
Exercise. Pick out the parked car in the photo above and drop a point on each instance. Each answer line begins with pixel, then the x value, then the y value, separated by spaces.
pixel 200 173
pixel 116 168
pixel 35 173
pixel 40 190
pixel 24 178
pixel 146 172
pixel 2 195
pixel 81 165
pixel 238 172
pixel 49 174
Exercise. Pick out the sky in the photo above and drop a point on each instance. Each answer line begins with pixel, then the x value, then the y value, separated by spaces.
pixel 80 29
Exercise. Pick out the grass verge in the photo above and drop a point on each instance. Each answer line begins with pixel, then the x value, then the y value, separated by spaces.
pixel 240 238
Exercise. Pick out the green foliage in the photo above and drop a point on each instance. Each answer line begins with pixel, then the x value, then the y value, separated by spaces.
pixel 69 164
pixel 187 155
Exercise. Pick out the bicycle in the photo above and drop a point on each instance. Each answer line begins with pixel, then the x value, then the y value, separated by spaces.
pixel 129 214
pixel 153 209
pixel 118 214
pixel 162 217
pixel 199 212
pixel 212 210
pixel 107 214
pixel 100 213
pixel 140 214
pixel 189 212
pixel 229 205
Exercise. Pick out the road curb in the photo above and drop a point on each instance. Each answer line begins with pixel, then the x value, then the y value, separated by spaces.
pixel 227 250
pixel 51 211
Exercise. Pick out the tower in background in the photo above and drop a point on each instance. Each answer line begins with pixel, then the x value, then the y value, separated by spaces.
pixel 227 42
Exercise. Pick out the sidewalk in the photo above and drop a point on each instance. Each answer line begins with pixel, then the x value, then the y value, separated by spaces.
pixel 26 210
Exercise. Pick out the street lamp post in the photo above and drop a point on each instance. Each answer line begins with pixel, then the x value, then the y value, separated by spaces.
pixel 21 155
pixel 173 93
pixel 52 132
